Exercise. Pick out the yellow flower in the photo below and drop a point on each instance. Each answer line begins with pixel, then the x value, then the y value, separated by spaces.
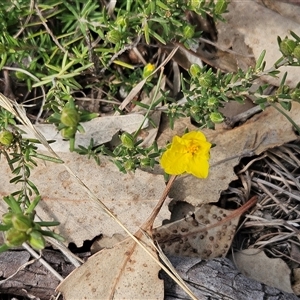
pixel 189 153
pixel 148 69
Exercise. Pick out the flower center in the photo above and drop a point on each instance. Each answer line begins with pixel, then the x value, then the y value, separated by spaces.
pixel 192 148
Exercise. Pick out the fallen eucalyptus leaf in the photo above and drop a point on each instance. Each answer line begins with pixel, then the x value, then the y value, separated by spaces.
pixel 123 272
pixel 207 233
pixel 100 129
pixel 263 36
pixel 255 264
pixel 131 197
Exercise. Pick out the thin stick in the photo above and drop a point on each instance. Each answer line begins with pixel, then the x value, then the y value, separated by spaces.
pixel 147 226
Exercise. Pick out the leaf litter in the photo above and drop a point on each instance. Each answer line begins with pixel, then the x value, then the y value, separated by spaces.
pixel 254 142
pixel 137 239
pixel 274 138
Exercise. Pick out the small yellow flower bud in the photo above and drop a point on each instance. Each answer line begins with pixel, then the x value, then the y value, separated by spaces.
pixel 68 132
pixel 272 99
pixel 14 237
pixel 129 165
pixel 295 95
pixel 296 52
pixel 145 162
pixel 121 21
pixel 188 31
pixel 36 240
pixel 127 140
pixel 221 7
pixel 212 101
pixel 21 222
pixel 195 4
pixel 195 70
pixel 114 36
pixel 194 110
pixel 70 116
pixel 206 80
pixel 6 137
pixel 216 117
pixel 148 69
pixel 287 46
pixel 6 218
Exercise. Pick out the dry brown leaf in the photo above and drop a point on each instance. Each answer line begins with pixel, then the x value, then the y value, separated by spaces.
pixel 288 8
pixel 123 272
pixel 255 264
pixel 263 131
pixel 131 197
pixel 296 281
pixel 207 233
pixel 127 271
pixel 185 58
pixel 100 129
pixel 257 31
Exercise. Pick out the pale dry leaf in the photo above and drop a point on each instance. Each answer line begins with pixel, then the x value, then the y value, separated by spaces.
pixel 100 129
pixel 263 131
pixel 186 58
pixel 123 272
pixel 296 281
pixel 258 31
pixel 255 264
pixel 284 8
pixel 176 88
pixel 131 197
pixel 105 242
pixel 203 234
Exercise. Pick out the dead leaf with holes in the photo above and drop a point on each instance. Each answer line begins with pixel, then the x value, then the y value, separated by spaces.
pixel 207 233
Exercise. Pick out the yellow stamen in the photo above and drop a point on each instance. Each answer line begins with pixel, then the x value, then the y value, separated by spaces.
pixel 192 148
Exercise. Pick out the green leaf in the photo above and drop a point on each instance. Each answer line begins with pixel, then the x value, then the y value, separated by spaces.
pixel 286 105
pixel 260 60
pixel 158 37
pixel 47 224
pixel 15 179
pixel 4 227
pixel 295 36
pixel 33 205
pixel 3 248
pixel 13 204
pixel 48 158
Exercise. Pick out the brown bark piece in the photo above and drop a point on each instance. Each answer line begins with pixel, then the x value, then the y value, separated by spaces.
pixel 34 280
pixel 218 279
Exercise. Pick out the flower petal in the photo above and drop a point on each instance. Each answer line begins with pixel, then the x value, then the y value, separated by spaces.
pixel 194 135
pixel 174 162
pixel 198 167
pixel 204 148
pixel 187 154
